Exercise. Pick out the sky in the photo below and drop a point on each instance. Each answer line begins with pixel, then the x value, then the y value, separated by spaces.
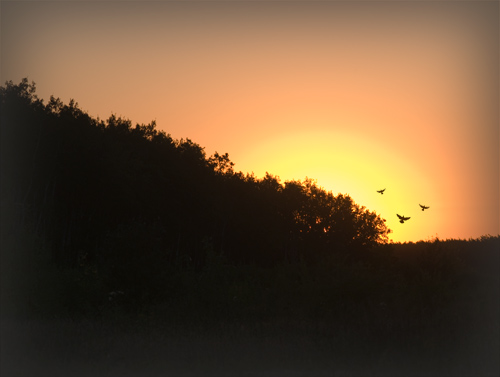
pixel 359 96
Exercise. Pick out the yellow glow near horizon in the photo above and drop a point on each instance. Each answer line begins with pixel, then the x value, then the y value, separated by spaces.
pixel 348 164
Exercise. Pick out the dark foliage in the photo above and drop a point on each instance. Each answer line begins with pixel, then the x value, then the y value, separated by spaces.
pixel 131 201
pixel 121 227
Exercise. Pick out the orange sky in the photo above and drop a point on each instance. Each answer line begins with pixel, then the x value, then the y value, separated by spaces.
pixel 360 95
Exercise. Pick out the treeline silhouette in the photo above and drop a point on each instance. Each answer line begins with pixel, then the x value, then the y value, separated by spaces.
pixel 133 202
pixel 131 234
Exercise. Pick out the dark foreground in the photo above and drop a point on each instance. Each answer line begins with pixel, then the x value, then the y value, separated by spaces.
pixel 423 309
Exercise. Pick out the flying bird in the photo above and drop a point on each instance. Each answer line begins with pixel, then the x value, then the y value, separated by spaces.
pixel 381 191
pixel 423 207
pixel 402 219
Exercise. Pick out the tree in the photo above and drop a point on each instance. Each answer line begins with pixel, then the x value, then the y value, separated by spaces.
pixel 221 164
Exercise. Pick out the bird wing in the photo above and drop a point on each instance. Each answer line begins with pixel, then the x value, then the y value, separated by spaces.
pixel 405 218
pixel 401 217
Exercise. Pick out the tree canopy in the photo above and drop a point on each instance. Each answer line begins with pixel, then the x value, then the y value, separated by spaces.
pixel 123 197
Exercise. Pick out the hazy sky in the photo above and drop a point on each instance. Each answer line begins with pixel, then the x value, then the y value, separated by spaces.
pixel 358 95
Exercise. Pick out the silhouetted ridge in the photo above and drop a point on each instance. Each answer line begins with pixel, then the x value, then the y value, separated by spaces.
pixel 130 199
pixel 145 252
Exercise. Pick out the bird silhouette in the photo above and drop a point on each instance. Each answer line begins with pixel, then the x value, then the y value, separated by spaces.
pixel 402 219
pixel 423 207
pixel 381 191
